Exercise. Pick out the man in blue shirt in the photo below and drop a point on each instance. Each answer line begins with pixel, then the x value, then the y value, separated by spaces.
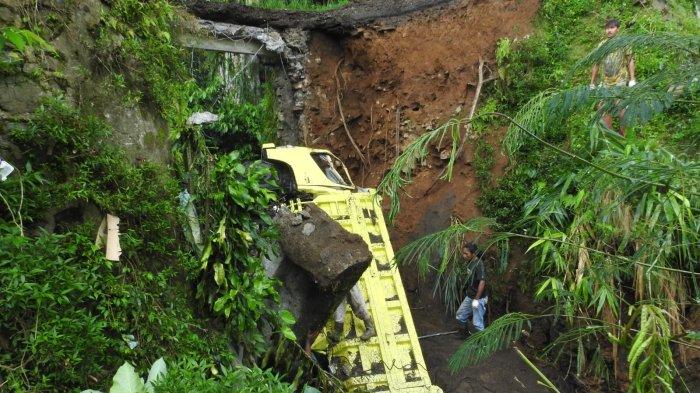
pixel 474 304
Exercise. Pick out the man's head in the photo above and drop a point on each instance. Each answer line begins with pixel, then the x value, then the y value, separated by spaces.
pixel 611 27
pixel 468 250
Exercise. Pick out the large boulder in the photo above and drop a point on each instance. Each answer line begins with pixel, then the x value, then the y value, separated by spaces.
pixel 319 264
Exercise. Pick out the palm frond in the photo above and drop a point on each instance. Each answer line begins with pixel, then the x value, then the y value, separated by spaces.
pixel 651 96
pixel 685 44
pixel 574 336
pixel 401 173
pixel 533 116
pixel 500 334
pixel 439 253
pixel 421 250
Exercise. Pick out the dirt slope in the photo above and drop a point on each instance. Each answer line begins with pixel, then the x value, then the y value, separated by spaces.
pixel 416 72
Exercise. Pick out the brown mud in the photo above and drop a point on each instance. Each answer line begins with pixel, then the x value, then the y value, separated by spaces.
pixel 395 81
pixel 420 72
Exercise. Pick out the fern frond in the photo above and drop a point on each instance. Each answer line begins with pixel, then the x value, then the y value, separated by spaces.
pixel 574 335
pixel 401 173
pixel 421 250
pixel 685 44
pixel 501 333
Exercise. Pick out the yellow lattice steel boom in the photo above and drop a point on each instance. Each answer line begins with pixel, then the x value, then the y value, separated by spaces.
pixel 392 360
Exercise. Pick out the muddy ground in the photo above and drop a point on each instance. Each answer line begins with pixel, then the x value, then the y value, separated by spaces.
pixel 396 80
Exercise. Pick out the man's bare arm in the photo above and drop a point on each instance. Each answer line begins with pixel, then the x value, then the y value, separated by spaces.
pixel 480 289
pixel 630 68
pixel 594 74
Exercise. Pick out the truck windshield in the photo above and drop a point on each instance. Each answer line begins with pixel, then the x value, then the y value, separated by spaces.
pixel 332 168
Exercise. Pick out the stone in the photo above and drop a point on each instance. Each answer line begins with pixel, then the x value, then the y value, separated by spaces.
pixel 308 229
pixel 318 269
pixel 19 94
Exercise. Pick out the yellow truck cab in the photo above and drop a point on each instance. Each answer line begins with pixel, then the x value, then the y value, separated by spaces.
pixel 391 361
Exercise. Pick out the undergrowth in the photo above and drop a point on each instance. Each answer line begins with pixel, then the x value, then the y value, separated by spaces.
pixel 295 5
pixel 66 310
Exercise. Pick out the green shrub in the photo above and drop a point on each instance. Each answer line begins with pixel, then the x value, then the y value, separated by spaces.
pixel 191 376
pixel 53 288
pixel 69 161
pixel 483 162
pixel 65 311
pixel 136 42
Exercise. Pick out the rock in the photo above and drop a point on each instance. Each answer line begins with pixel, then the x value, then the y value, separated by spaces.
pixel 318 268
pixel 308 229
pixel 296 220
pixel 19 94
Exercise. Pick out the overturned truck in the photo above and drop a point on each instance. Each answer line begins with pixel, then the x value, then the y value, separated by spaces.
pixel 391 359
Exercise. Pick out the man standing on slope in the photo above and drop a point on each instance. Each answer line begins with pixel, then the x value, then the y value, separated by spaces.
pixel 477 296
pixel 618 70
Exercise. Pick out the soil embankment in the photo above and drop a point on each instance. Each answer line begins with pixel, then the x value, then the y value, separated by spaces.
pixel 400 79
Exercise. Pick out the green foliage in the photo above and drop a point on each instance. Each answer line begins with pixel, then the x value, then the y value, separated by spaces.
pixel 650 357
pixel 625 214
pixel 137 44
pixel 15 42
pixel 234 281
pixel 246 109
pixel 49 287
pixel 401 172
pixel 233 197
pixel 69 163
pixel 500 334
pixel 483 162
pixel 190 376
pixel 65 307
pixel 451 271
pixel 296 5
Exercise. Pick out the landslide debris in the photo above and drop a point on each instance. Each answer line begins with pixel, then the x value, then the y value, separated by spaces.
pixel 321 262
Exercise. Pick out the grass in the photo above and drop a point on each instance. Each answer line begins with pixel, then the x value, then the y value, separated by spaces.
pixel 294 5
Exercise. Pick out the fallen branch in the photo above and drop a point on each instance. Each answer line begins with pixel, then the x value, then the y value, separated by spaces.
pixel 468 127
pixel 439 334
pixel 342 115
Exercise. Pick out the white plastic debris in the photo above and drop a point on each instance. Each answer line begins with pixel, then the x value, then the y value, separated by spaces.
pixel 108 235
pixel 202 118
pixel 130 340
pixel 5 169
